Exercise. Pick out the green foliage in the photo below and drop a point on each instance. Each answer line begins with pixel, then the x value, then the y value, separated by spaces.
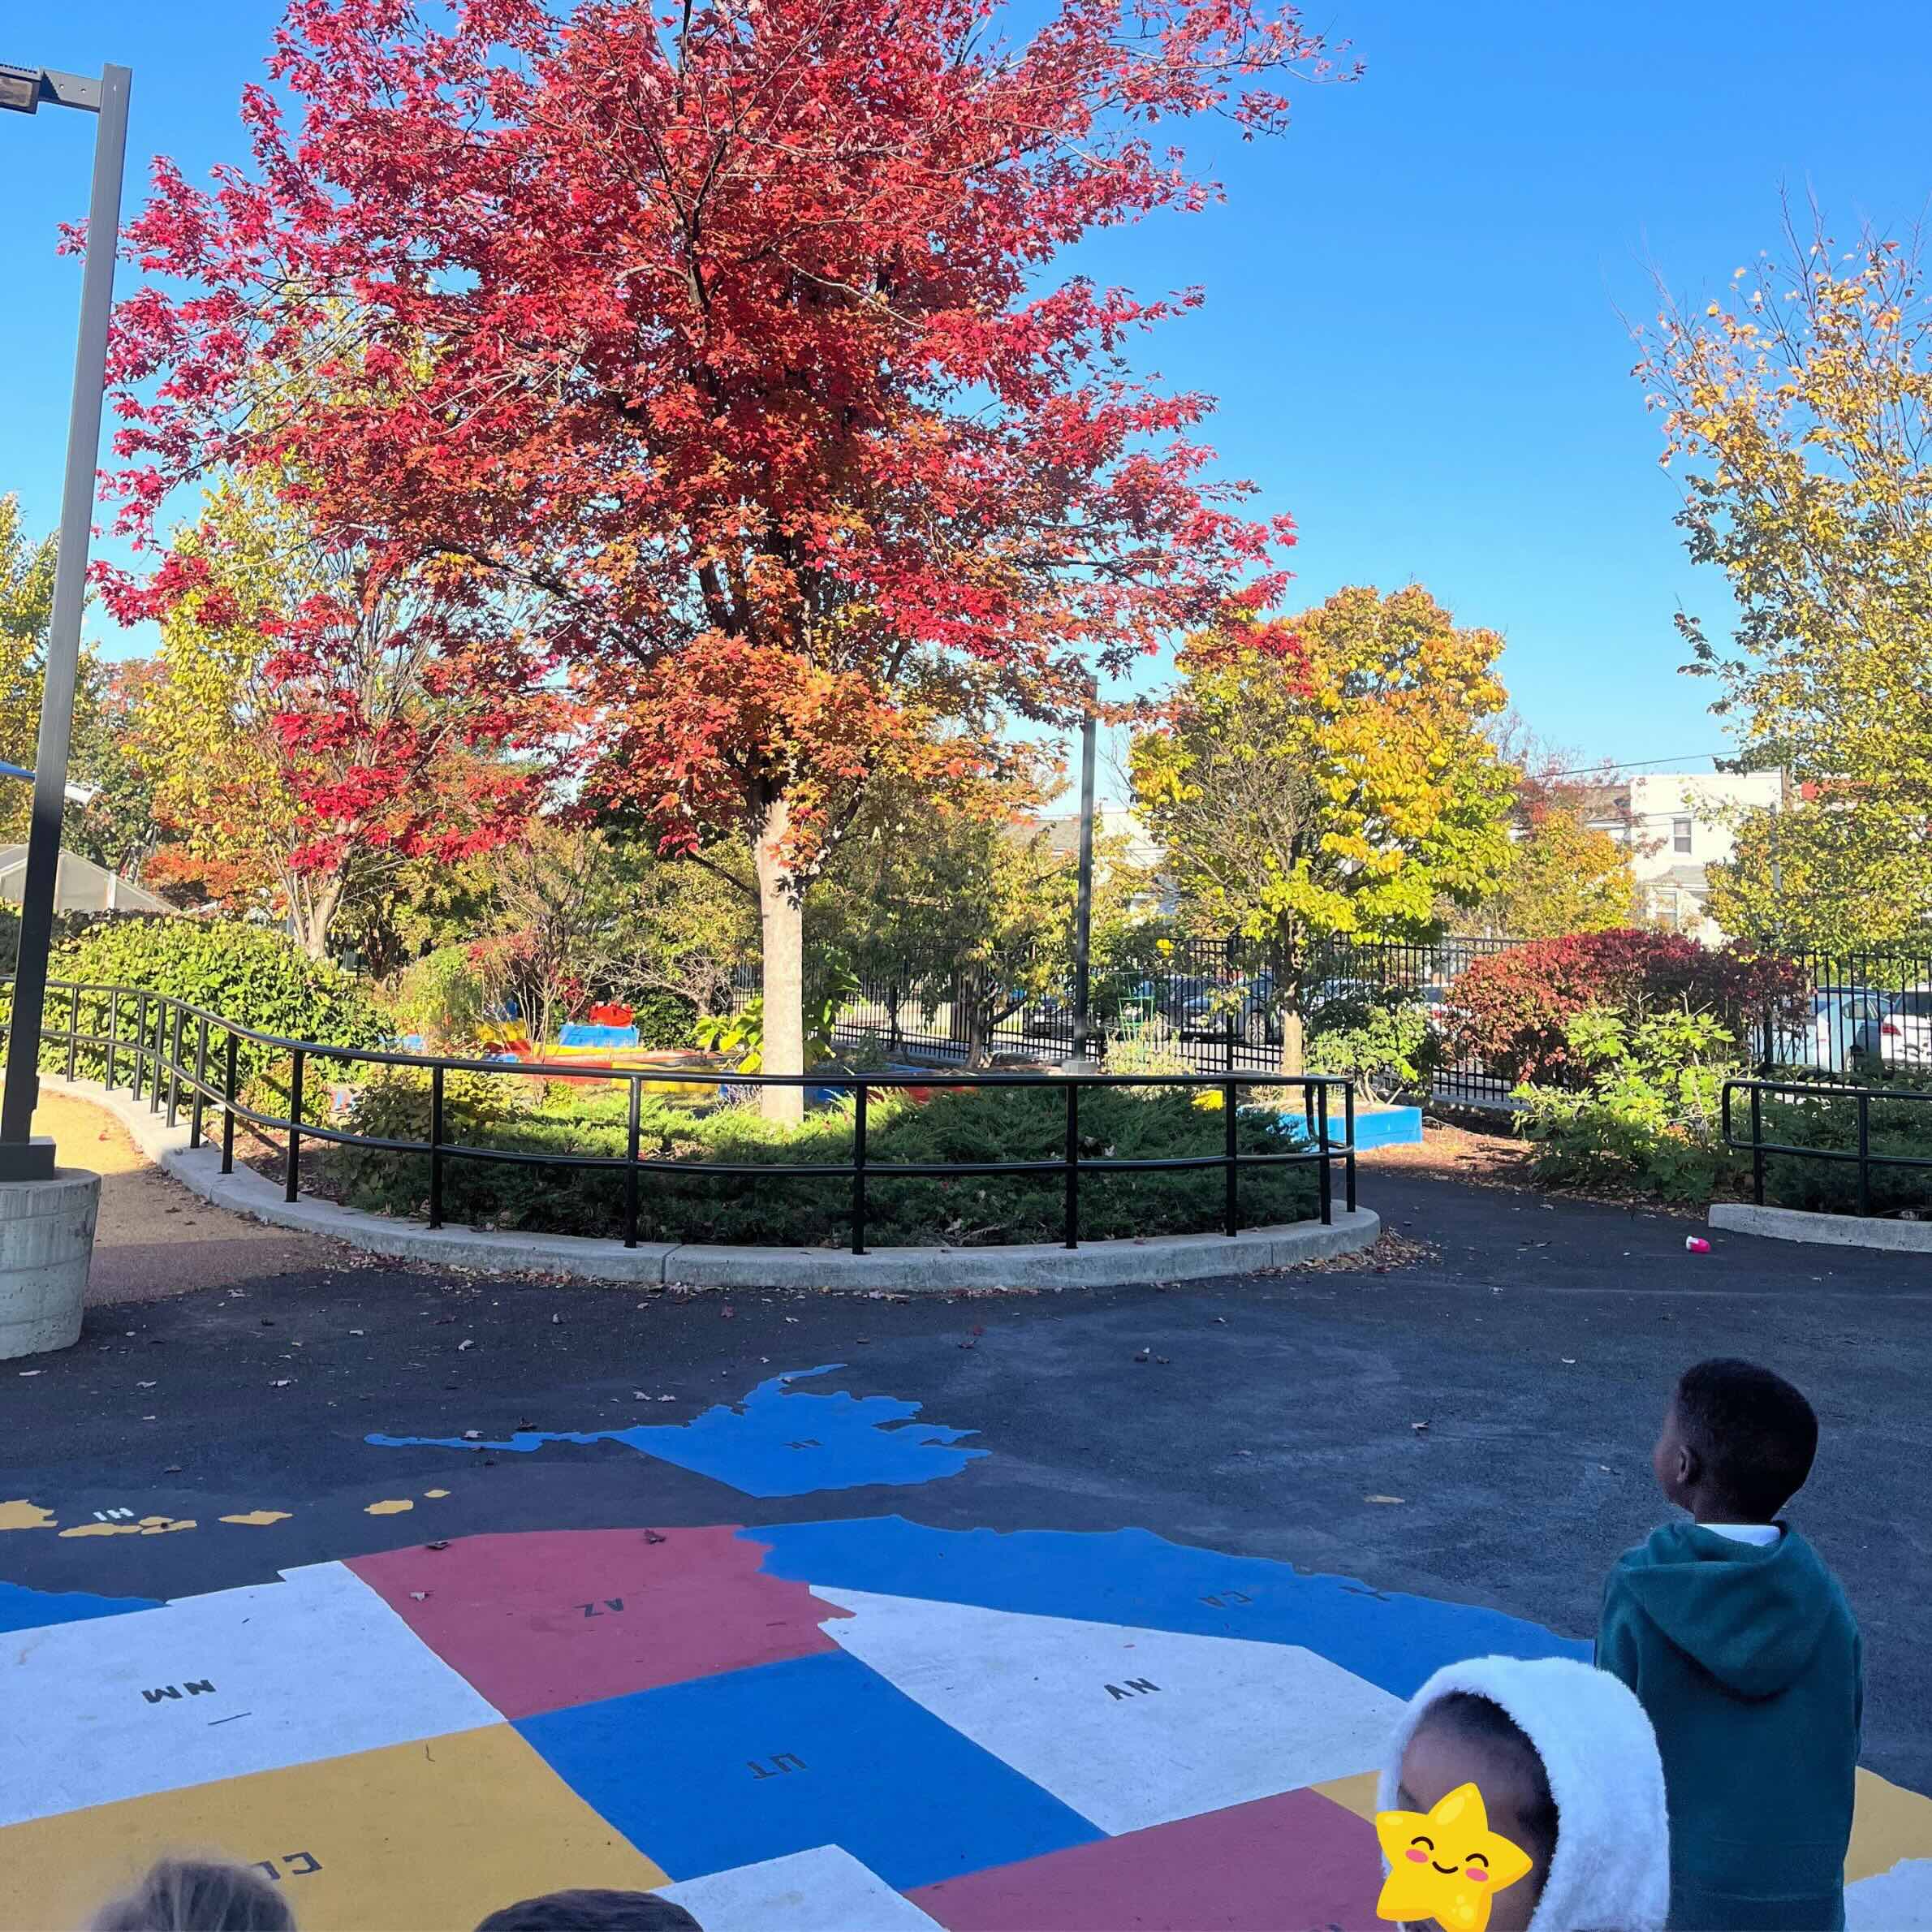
pixel 1383 1043
pixel 989 1124
pixel 1897 1126
pixel 441 997
pixel 741 1034
pixel 257 978
pixel 1649 1118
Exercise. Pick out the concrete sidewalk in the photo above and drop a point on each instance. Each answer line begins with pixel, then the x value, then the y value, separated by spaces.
pixel 155 1238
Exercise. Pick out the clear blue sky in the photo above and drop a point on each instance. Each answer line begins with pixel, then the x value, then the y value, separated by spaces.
pixel 1412 299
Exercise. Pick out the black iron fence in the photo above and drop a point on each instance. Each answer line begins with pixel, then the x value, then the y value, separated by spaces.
pixel 1837 1122
pixel 179 1055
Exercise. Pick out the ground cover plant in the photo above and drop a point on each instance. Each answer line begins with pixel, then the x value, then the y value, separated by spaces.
pixel 992 1123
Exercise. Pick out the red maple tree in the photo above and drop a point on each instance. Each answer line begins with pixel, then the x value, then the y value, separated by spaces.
pixel 727 326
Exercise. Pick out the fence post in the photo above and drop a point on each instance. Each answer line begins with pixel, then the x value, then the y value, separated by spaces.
pixel 174 1065
pixel 436 1127
pixel 161 1051
pixel 1348 1104
pixel 113 1030
pixel 1233 1014
pixel 1865 1150
pixel 141 1041
pixel 73 1027
pixel 1230 1154
pixel 1758 1145
pixel 200 1099
pixel 295 1125
pixel 1327 1172
pixel 633 1149
pixel 1070 1233
pixel 228 1105
pixel 859 1168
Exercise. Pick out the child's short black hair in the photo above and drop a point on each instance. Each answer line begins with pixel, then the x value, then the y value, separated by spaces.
pixel 591 1911
pixel 1481 1720
pixel 1755 1433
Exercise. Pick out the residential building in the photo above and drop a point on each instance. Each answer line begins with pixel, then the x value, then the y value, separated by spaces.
pixel 1677 824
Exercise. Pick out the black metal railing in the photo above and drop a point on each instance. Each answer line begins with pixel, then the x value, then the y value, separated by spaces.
pixel 184 1048
pixel 1820 1091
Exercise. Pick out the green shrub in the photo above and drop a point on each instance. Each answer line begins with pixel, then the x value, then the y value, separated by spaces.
pixel 1649 1117
pixel 1896 1127
pixel 440 997
pixel 986 1124
pixel 255 977
pixel 663 1018
pixel 1384 1043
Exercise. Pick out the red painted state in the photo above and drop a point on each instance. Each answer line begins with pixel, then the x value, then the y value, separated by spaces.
pixel 539 1621
pixel 1297 1863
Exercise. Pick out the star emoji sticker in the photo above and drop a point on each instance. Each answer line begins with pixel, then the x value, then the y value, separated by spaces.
pixel 1447 1864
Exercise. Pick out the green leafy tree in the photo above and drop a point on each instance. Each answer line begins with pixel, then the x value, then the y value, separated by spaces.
pixel 1329 778
pixel 1826 875
pixel 1800 406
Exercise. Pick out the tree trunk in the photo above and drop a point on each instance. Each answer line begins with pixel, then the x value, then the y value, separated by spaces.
pixel 782 935
pixel 1294 1042
pixel 315 899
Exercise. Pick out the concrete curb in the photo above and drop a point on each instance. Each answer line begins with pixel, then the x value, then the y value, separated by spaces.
pixel 937 1270
pixel 1829 1231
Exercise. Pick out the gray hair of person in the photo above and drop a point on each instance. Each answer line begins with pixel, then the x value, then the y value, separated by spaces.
pixel 193 1895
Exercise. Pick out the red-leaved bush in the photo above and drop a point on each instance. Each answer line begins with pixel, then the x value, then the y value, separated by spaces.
pixel 1513 1007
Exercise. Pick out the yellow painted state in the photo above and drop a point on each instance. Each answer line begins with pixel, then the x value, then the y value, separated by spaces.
pixel 147 1526
pixel 433 1835
pixel 259 1519
pixel 394 1506
pixel 1356 1794
pixel 23 1514
pixel 436 1492
pixel 1888 1823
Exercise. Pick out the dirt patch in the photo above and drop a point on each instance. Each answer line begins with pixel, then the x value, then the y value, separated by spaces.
pixel 1486 1159
pixel 155 1238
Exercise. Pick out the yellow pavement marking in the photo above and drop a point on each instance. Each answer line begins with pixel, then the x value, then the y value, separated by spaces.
pixel 259 1519
pixel 394 1506
pixel 23 1514
pixel 434 1833
pixel 147 1526
pixel 1888 1823
pixel 1355 1793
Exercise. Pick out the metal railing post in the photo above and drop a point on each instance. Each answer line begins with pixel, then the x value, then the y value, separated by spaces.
pixel 228 1105
pixel 113 1032
pixel 295 1125
pixel 1348 1104
pixel 161 1051
pixel 73 1027
pixel 633 1149
pixel 859 1168
pixel 174 1064
pixel 141 1041
pixel 1865 1150
pixel 1070 1234
pixel 1758 1145
pixel 436 1131
pixel 1326 1169
pixel 201 1099
pixel 1231 1155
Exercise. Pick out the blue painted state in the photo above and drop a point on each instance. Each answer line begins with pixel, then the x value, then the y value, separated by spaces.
pixel 25 1609
pixel 777 1442
pixel 1389 1126
pixel 1133 1576
pixel 727 1770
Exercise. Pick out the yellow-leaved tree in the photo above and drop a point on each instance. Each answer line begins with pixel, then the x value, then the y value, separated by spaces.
pixel 1799 407
pixel 1328 778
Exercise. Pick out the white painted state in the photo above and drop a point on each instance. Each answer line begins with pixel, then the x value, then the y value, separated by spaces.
pixel 1229 1721
pixel 316 1665
pixel 826 1890
pixel 1899 1901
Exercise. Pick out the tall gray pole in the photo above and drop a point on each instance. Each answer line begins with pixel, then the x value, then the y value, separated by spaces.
pixel 21 1157
pixel 1083 912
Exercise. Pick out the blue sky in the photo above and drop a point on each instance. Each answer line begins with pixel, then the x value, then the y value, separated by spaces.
pixel 1412 319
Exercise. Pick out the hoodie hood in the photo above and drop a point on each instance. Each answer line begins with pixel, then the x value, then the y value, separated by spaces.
pixel 1610 1871
pixel 1751 1615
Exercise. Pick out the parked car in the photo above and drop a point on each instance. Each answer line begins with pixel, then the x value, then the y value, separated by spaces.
pixel 1904 1033
pixel 1843 1029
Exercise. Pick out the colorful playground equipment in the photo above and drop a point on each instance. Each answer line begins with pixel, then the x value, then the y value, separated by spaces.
pixel 606 1043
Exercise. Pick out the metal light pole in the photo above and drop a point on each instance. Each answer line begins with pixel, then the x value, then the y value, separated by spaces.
pixel 1083 913
pixel 24 90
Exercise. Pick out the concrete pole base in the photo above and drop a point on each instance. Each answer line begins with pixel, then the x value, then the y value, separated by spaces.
pixel 46 1246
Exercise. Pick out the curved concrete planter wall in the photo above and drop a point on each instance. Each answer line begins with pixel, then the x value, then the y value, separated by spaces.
pixel 1180 1258
pixel 46 1242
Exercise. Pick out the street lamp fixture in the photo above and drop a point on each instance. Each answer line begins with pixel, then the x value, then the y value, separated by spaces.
pixel 23 90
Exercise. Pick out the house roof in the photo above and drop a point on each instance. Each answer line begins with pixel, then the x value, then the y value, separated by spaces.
pixel 82 885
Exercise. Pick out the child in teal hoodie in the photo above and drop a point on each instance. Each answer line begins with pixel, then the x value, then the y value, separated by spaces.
pixel 1739 1645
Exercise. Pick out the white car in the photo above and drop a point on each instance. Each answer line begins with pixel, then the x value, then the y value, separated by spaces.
pixel 1905 1032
